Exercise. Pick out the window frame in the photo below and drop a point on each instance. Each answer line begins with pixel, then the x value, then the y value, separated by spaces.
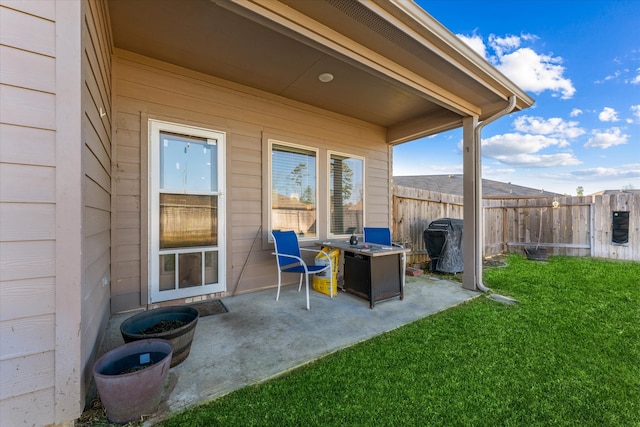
pixel 156 128
pixel 316 151
pixel 330 153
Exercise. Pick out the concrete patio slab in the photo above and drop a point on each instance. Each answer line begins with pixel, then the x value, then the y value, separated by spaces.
pixel 260 338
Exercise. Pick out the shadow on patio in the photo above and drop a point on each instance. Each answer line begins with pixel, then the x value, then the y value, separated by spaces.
pixel 260 338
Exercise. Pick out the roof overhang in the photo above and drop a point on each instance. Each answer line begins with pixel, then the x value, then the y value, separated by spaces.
pixel 393 64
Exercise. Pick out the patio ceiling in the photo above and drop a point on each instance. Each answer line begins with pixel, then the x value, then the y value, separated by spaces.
pixel 393 65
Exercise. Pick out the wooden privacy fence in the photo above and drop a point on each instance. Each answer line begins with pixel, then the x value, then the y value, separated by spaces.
pixel 575 226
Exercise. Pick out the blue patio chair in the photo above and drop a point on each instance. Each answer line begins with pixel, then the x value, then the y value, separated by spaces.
pixel 382 236
pixel 287 252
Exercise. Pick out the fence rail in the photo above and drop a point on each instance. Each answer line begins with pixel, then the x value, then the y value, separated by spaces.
pixel 578 226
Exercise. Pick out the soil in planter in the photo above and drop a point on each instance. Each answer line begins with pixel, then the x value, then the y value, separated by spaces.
pixel 135 368
pixel 163 326
pixel 133 363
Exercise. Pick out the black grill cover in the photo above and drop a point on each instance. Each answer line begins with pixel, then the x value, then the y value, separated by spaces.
pixel 443 239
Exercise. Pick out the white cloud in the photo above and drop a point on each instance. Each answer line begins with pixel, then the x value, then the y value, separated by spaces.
pixel 476 43
pixel 415 168
pixel 488 170
pixel 503 44
pixel 635 112
pixel 599 178
pixel 516 149
pixel 600 173
pixel 626 75
pixel 575 112
pixel 530 70
pixel 529 37
pixel 613 76
pixel 515 143
pixel 606 139
pixel 455 168
pixel 541 160
pixel 536 72
pixel 553 126
pixel 636 79
pixel 608 115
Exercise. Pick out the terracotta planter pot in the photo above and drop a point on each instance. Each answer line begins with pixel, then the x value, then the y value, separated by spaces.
pixel 536 254
pixel 127 389
pixel 180 338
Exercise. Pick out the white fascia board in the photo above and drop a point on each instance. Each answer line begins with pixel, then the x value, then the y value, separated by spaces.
pixel 427 31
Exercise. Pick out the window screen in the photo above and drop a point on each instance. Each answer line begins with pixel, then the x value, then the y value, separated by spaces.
pixel 293 189
pixel 346 194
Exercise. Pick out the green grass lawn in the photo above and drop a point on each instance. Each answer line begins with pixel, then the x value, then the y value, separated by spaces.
pixel 567 355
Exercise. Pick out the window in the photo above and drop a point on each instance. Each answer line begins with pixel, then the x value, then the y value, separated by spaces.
pixel 294 189
pixel 346 195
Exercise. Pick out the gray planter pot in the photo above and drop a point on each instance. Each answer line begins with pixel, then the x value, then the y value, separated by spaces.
pixel 130 378
pixel 180 338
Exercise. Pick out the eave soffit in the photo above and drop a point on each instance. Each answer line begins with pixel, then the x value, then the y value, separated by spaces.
pixel 408 39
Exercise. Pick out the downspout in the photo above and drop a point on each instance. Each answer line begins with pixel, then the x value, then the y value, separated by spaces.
pixel 478 185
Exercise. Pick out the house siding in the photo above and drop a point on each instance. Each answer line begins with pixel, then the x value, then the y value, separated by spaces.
pixel 27 209
pixel 55 203
pixel 145 88
pixel 97 181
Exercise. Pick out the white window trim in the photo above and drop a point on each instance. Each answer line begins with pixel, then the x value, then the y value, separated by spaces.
pixel 272 141
pixel 328 170
pixel 154 129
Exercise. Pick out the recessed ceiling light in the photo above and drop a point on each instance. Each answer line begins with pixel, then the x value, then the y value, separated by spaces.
pixel 325 77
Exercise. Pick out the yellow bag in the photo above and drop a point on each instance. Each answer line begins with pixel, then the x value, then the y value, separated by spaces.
pixel 322 282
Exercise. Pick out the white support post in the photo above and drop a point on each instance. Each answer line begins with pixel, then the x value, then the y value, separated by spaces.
pixel 472 209
pixel 69 365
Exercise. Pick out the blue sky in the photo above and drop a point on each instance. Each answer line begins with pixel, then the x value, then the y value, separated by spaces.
pixel 580 61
